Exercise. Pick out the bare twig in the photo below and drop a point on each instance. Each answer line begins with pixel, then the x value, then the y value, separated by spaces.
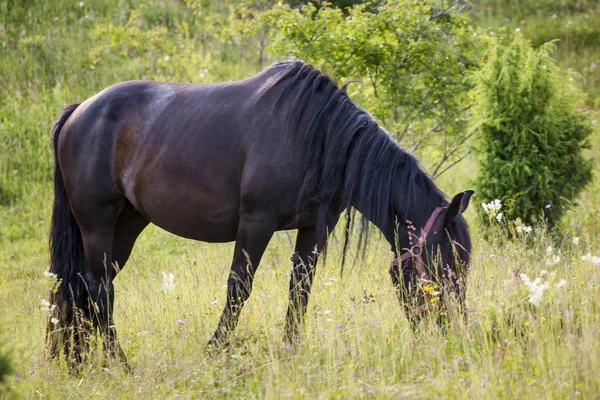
pixel 450 154
pixel 452 165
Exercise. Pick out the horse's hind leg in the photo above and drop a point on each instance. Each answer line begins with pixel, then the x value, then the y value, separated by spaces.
pixel 97 224
pixel 128 227
pixel 130 224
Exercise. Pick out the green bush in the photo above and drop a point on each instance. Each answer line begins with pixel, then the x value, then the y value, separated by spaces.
pixel 411 57
pixel 531 134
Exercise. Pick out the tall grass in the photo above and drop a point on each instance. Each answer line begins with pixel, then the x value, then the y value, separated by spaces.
pixel 357 344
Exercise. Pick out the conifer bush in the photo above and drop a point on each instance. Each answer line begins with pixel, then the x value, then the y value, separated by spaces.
pixel 531 133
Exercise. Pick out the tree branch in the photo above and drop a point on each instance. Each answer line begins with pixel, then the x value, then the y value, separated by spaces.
pixel 452 165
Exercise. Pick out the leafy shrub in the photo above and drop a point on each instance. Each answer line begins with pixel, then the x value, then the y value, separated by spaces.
pixel 411 56
pixel 531 134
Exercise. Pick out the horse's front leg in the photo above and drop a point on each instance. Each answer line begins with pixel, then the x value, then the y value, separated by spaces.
pixel 309 244
pixel 303 271
pixel 254 233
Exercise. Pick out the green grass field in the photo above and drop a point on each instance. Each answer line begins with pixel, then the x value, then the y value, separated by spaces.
pixel 357 344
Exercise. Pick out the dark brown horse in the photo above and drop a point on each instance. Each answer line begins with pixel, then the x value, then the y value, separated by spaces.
pixel 285 149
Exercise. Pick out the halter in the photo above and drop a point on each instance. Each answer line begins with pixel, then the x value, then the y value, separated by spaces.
pixel 416 251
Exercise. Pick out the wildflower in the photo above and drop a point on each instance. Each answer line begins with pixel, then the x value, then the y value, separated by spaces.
pixel 548 206
pixel 167 58
pixel 46 306
pixel 168 283
pixel 593 259
pixel 526 323
pixel 180 322
pixel 518 30
pixel 215 302
pixel 532 334
pixel 50 275
pixel 499 216
pixel 561 283
pixel 549 250
pixel 339 326
pixel 536 289
pixel 524 229
pixel 575 241
pixel 492 208
pixel 326 312
pixel 54 321
pixel 81 4
pixel 554 260
pixel 431 289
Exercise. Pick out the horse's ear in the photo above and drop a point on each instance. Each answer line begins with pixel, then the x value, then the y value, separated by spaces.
pixel 458 205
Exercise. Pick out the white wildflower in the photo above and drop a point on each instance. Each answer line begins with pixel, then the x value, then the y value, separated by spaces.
pixel 167 58
pixel 50 275
pixel 215 302
pixel 575 241
pixel 46 306
pixel 54 321
pixel 561 283
pixel 168 283
pixel 549 250
pixel 593 259
pixel 553 260
pixel 518 30
pixel 499 216
pixel 326 312
pixel 81 4
pixel 492 208
pixel 536 289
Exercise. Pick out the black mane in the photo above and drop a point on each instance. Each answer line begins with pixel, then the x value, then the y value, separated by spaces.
pixel 353 160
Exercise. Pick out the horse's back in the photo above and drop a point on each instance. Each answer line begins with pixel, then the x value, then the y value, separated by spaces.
pixel 189 157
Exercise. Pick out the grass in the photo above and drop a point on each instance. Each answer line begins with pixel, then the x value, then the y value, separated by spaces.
pixel 357 344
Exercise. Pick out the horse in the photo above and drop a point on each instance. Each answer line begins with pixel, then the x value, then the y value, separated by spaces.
pixel 284 149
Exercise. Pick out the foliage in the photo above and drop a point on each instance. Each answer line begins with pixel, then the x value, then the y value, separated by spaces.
pixel 531 135
pixel 5 368
pixel 576 25
pixel 5 364
pixel 411 55
pixel 58 52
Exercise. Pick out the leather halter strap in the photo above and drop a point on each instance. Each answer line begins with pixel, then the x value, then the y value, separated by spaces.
pixel 417 249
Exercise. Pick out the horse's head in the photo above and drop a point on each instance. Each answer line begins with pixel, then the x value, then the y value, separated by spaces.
pixel 432 259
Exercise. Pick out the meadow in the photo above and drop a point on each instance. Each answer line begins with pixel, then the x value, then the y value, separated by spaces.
pixel 533 301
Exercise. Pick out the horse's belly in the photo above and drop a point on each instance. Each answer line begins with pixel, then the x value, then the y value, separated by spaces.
pixel 206 213
pixel 203 231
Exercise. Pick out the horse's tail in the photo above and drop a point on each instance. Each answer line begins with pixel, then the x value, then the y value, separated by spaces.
pixel 66 260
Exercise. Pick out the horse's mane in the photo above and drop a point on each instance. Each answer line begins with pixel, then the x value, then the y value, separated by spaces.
pixel 352 159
